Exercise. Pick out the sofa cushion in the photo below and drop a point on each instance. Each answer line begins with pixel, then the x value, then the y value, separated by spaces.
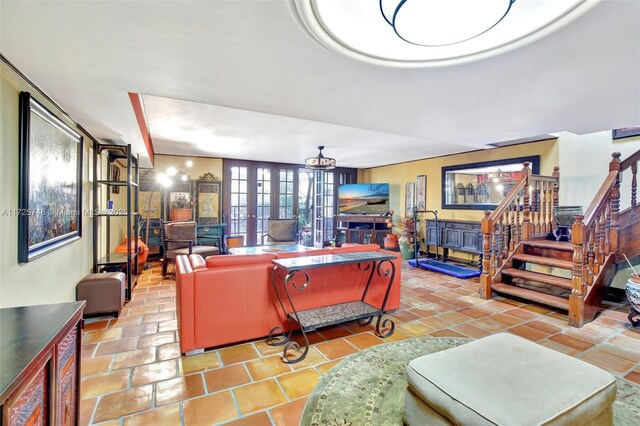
pixel 197 262
pixel 516 376
pixel 239 259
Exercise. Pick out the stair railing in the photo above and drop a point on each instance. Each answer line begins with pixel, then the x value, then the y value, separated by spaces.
pixel 596 234
pixel 527 210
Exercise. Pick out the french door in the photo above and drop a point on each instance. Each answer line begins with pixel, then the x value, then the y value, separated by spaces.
pixel 256 191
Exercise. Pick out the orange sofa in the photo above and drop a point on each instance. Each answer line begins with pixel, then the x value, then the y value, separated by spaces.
pixel 230 299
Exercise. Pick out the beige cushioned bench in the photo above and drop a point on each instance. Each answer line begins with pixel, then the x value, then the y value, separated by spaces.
pixel 507 380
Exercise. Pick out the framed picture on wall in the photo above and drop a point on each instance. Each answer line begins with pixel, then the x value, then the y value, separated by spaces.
pixel 409 198
pixel 208 199
pixel 50 181
pixel 421 192
pixel 626 132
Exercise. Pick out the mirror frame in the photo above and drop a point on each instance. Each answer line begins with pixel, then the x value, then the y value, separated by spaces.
pixel 535 167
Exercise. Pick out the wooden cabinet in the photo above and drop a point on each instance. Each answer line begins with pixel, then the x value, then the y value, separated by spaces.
pixel 361 229
pixel 40 364
pixel 461 235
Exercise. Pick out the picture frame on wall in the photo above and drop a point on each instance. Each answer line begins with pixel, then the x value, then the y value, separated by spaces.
pixel 208 199
pixel 409 198
pixel 421 192
pixel 50 181
pixel 625 132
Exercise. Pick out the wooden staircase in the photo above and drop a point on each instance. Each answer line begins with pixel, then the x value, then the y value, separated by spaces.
pixel 520 260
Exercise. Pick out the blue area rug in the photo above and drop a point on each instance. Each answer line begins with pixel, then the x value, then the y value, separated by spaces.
pixel 445 268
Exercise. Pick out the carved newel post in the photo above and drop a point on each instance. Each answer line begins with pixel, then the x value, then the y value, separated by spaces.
pixel 485 278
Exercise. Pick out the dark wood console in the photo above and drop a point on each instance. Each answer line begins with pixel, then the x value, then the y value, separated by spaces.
pixel 361 229
pixel 40 364
pixel 461 235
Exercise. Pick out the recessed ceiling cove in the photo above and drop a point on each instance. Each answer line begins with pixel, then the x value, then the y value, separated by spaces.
pixel 419 33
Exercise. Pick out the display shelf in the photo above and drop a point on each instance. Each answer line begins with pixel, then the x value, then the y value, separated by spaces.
pixel 361 229
pixel 102 189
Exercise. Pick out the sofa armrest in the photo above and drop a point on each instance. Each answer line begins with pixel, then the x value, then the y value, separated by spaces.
pixel 185 303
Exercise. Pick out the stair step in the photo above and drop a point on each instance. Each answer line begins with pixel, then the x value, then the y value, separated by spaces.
pixel 546 261
pixel 565 283
pixel 534 296
pixel 550 244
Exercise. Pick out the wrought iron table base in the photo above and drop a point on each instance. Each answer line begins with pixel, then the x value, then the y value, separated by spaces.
pixel 313 319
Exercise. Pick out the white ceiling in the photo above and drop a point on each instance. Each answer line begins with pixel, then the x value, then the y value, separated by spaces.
pixel 245 70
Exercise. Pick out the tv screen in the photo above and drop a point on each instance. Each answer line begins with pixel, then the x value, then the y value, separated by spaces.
pixel 364 198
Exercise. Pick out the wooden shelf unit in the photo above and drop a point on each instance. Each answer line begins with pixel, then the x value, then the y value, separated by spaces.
pixel 361 229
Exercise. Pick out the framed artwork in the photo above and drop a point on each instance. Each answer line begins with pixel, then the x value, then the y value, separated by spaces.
pixel 409 198
pixel 150 199
pixel 208 199
pixel 421 192
pixel 626 132
pixel 50 181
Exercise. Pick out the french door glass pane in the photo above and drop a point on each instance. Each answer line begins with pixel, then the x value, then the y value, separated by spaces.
pixel 286 194
pixel 263 201
pixel 238 219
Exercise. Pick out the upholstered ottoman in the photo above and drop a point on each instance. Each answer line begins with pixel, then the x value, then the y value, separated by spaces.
pixel 506 380
pixel 103 292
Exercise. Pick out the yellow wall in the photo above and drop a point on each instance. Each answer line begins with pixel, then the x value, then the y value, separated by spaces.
pixel 399 174
pixel 52 277
pixel 201 165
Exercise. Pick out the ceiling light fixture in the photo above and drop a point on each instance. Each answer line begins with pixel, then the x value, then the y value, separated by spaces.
pixel 320 162
pixel 443 23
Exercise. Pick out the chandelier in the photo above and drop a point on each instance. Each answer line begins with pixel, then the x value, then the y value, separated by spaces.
pixel 443 22
pixel 320 162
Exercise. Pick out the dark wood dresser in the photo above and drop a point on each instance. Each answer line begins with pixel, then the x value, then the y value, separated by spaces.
pixel 40 364
pixel 461 235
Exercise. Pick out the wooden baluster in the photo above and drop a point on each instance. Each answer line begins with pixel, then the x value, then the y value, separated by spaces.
pixel 591 259
pixel 550 218
pixel 607 230
pixel 518 223
pixel 601 252
pixel 512 227
pixel 587 274
pixel 576 300
pixel 505 236
pixel 634 189
pixel 543 207
pixel 535 207
pixel 614 165
pixel 555 200
pixel 485 278
pixel 526 206
pixel 500 240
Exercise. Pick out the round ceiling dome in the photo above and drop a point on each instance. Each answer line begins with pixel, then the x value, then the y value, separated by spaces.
pixel 418 33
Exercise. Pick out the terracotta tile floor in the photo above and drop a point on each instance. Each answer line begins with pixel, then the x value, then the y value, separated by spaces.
pixel 132 372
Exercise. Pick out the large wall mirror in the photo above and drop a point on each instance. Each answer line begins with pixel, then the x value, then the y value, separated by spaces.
pixel 482 186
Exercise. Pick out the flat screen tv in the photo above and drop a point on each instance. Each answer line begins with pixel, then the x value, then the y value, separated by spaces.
pixel 364 198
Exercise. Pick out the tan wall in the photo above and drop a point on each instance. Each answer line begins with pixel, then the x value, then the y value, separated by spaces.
pixel 52 277
pixel 201 165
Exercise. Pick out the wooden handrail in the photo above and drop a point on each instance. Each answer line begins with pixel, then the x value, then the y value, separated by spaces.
pixel 509 198
pixel 600 198
pixel 544 178
pixel 633 158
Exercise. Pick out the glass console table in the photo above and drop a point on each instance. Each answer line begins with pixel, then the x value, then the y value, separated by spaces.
pixel 312 319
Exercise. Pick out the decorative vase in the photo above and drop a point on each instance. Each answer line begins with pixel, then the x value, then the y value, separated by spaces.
pixel 391 242
pixel 632 289
pixel 406 247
